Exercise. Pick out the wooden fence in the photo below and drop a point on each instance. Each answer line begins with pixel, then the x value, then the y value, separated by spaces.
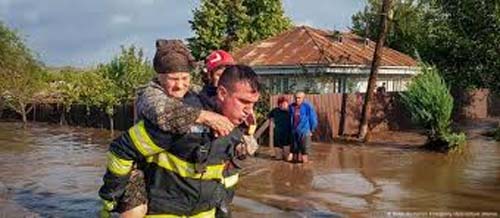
pixel 339 114
pixel 78 116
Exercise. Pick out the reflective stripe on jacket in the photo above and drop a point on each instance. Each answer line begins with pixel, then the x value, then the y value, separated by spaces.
pixel 177 185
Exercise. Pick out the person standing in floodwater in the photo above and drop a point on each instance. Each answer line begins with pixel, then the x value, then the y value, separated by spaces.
pixel 304 121
pixel 282 129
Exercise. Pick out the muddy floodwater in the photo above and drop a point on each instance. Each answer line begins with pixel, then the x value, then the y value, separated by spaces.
pixel 52 171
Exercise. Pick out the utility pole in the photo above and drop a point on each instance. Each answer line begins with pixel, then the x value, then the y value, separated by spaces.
pixel 377 56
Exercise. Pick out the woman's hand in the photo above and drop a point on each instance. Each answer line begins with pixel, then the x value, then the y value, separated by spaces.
pixel 218 123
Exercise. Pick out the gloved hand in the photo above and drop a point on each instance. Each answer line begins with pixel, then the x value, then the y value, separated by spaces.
pixel 250 124
pixel 250 144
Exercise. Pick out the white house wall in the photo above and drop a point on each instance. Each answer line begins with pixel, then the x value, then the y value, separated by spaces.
pixel 331 83
pixel 392 83
pixel 357 70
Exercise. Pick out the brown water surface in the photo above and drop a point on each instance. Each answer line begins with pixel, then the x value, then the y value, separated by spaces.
pixel 55 171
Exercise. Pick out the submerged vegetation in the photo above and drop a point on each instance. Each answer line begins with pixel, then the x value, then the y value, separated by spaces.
pixel 430 104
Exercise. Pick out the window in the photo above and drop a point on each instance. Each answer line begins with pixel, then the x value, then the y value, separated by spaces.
pixel 279 85
pixel 286 86
pixel 272 85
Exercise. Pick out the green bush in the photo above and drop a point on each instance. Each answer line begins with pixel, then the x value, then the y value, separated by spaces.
pixel 430 104
pixel 127 71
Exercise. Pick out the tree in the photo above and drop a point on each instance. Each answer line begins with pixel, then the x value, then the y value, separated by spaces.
pixel 229 24
pixel 20 89
pixel 116 82
pixel 63 87
pixel 99 91
pixel 377 56
pixel 469 47
pixel 430 104
pixel 237 26
pixel 267 19
pixel 129 70
pixel 446 33
pixel 19 73
pixel 406 25
pixel 209 25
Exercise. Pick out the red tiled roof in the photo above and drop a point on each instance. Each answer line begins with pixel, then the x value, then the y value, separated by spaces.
pixel 306 45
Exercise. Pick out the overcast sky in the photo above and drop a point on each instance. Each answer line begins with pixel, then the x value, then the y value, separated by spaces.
pixel 84 33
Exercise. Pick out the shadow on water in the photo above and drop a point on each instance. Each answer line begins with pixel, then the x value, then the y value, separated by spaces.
pixel 50 204
pixel 56 171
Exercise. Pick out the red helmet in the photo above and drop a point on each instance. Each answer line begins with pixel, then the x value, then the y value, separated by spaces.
pixel 218 58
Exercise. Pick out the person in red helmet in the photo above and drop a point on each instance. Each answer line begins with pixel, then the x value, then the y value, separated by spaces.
pixel 215 64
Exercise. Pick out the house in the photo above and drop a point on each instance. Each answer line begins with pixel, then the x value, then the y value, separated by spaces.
pixel 320 61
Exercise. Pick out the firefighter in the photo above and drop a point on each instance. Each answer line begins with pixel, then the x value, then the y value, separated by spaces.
pixel 184 173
